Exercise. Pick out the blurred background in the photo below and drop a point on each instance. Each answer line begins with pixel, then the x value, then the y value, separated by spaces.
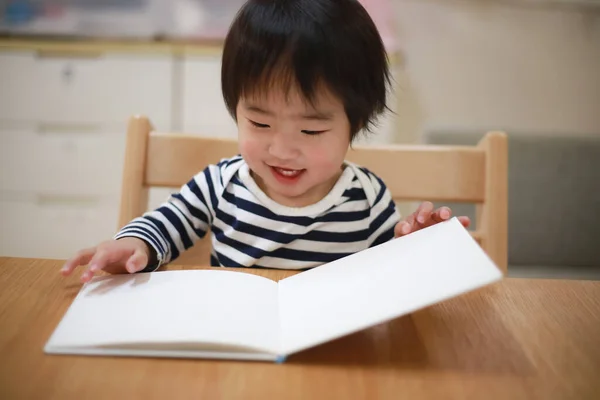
pixel 73 71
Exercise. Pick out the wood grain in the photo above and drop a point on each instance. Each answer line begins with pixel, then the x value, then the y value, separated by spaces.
pixel 85 46
pixel 492 215
pixel 134 193
pixel 518 339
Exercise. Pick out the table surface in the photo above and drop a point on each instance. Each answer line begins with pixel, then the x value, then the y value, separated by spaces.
pixel 516 339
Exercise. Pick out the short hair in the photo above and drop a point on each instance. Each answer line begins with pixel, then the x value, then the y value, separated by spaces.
pixel 304 44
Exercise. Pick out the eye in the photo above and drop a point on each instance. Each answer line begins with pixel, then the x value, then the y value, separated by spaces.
pixel 258 125
pixel 313 133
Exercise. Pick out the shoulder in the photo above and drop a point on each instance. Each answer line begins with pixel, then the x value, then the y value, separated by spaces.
pixel 228 168
pixel 373 186
pixel 221 173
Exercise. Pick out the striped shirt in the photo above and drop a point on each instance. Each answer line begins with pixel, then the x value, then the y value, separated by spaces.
pixel 249 229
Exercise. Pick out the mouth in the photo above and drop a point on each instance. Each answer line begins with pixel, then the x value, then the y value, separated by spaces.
pixel 287 175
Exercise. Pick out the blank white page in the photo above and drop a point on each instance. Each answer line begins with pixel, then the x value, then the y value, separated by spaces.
pixel 173 307
pixel 381 283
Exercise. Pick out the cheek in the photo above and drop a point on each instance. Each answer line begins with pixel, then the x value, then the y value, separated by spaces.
pixel 328 156
pixel 250 148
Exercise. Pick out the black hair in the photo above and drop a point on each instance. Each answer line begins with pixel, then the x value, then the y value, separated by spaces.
pixel 304 44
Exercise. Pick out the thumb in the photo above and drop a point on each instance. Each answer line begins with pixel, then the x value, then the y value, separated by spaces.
pixel 137 262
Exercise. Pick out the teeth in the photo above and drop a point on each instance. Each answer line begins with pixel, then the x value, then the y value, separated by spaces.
pixel 288 172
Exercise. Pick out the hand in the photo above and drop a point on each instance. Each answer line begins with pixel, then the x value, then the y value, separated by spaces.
pixel 426 216
pixel 127 255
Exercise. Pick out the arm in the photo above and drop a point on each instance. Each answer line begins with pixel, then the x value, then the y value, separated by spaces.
pixel 178 223
pixel 384 214
pixel 158 236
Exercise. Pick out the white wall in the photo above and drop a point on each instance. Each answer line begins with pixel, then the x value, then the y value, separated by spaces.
pixel 486 65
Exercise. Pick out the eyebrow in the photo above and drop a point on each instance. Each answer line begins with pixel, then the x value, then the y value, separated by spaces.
pixel 314 115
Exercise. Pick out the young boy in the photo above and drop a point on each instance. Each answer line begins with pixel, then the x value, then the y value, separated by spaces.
pixel 301 78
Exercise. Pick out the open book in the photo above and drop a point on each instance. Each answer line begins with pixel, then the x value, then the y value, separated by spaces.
pixel 236 315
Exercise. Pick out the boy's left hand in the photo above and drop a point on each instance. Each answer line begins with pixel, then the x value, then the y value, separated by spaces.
pixel 426 216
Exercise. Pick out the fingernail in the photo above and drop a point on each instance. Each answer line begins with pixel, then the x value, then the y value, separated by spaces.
pixel 421 219
pixel 445 214
pixel 94 267
pixel 405 229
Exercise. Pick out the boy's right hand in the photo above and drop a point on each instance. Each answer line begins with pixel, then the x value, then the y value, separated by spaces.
pixel 126 255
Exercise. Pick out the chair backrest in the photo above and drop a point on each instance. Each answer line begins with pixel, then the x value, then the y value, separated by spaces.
pixel 470 174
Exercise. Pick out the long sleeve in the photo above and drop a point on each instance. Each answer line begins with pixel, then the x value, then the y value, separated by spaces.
pixel 384 214
pixel 179 222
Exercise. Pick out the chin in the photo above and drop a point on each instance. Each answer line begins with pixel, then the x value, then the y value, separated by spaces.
pixel 291 192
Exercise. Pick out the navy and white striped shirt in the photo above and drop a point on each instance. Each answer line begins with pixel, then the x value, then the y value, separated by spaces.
pixel 249 229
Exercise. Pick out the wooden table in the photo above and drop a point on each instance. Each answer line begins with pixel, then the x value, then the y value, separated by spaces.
pixel 517 339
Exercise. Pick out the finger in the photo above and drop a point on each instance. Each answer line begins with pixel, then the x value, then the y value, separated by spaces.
pixel 86 276
pixel 97 263
pixel 81 258
pixel 417 211
pixel 402 228
pixel 411 224
pixel 136 262
pixel 441 214
pixel 100 260
pixel 465 221
pixel 424 212
pixel 398 229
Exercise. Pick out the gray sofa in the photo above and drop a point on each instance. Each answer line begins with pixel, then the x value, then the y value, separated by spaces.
pixel 553 202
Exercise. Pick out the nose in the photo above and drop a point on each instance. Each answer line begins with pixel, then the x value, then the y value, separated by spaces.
pixel 283 147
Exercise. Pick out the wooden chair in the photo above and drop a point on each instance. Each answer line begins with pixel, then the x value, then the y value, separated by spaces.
pixel 471 174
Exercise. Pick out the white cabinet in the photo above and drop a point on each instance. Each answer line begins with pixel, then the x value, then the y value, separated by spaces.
pixel 76 162
pixel 96 90
pixel 202 107
pixel 18 86
pixel 63 122
pixel 59 191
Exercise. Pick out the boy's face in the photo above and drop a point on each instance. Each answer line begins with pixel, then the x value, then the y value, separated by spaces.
pixel 295 150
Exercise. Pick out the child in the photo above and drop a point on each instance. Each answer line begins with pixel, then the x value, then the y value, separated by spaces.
pixel 301 78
